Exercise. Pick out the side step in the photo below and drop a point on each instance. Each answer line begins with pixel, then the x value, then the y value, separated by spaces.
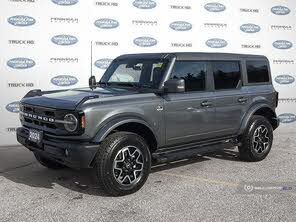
pixel 182 152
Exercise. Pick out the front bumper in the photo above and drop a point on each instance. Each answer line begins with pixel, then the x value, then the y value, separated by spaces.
pixel 73 154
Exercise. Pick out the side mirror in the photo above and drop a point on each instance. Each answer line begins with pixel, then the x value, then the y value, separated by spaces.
pixel 174 86
pixel 92 82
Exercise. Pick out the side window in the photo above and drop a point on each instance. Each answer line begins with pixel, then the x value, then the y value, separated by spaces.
pixel 193 73
pixel 257 71
pixel 227 74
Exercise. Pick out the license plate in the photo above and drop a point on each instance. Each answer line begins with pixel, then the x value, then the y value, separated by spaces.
pixel 35 136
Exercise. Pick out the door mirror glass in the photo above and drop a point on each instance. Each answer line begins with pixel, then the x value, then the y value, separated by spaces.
pixel 174 86
pixel 92 82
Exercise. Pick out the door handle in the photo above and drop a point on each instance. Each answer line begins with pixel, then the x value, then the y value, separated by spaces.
pixel 242 100
pixel 206 104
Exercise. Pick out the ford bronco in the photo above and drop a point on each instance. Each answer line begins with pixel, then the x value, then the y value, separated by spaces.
pixel 154 107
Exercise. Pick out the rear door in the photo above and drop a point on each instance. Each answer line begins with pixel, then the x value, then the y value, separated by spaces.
pixel 190 116
pixel 231 98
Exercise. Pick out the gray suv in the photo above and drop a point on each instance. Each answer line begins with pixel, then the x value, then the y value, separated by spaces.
pixel 153 108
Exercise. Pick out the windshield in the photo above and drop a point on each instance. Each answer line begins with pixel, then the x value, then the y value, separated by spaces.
pixel 135 73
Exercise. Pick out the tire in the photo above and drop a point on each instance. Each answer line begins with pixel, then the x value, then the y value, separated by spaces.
pixel 51 164
pixel 256 140
pixel 118 175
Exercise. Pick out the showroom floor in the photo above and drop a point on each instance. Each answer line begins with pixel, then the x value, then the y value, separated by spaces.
pixel 209 188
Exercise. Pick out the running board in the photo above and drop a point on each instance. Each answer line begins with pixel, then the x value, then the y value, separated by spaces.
pixel 182 152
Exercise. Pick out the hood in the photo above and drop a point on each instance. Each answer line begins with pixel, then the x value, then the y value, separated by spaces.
pixel 70 99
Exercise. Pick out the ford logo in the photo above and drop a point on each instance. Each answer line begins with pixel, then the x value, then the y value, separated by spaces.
pixel 20 63
pixel 64 40
pixel 144 4
pixel 180 26
pixel 13 107
pixel 287 118
pixel 282 44
pixel 103 63
pixel 215 7
pixel 145 41
pixel 64 80
pixel 21 20
pixel 250 28
pixel 106 23
pixel 65 2
pixel 284 79
pixel 216 43
pixel 280 10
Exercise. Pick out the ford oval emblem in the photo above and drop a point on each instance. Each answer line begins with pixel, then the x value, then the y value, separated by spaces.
pixel 64 40
pixel 13 107
pixel 215 7
pixel 103 63
pixel 145 41
pixel 287 118
pixel 284 79
pixel 280 10
pixel 20 63
pixel 216 43
pixel 64 80
pixel 282 44
pixel 250 28
pixel 106 23
pixel 65 2
pixel 21 20
pixel 144 4
pixel 180 26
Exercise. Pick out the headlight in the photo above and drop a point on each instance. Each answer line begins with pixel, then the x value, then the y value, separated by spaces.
pixel 71 122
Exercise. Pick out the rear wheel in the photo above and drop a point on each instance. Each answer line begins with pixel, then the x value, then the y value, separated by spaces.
pixel 51 164
pixel 256 140
pixel 123 163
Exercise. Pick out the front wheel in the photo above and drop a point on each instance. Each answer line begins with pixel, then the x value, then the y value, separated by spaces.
pixel 123 163
pixel 256 140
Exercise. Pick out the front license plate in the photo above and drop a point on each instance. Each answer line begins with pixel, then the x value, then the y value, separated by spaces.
pixel 35 136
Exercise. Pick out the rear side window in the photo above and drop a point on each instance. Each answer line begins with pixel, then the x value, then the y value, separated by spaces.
pixel 227 74
pixel 257 71
pixel 193 73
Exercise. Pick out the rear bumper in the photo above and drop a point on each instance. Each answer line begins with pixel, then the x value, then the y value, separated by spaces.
pixel 73 154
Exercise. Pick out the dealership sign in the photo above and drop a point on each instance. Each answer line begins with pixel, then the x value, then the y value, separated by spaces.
pixel 144 4
pixel 287 118
pixel 216 43
pixel 282 44
pixel 284 79
pixel 65 2
pixel 180 26
pixel 103 63
pixel 106 23
pixel 64 40
pixel 64 80
pixel 215 7
pixel 20 63
pixel 21 20
pixel 13 107
pixel 280 10
pixel 250 28
pixel 145 41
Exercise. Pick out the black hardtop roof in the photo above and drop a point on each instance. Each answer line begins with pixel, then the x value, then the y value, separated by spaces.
pixel 191 56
